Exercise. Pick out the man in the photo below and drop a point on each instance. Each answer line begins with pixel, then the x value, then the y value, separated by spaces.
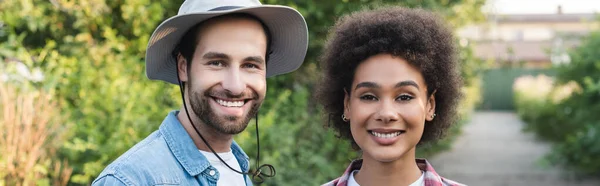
pixel 220 53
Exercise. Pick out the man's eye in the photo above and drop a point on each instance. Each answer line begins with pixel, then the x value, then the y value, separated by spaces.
pixel 216 63
pixel 368 98
pixel 250 65
pixel 404 98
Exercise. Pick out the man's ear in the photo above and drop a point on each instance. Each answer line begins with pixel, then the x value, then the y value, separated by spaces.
pixel 431 107
pixel 182 67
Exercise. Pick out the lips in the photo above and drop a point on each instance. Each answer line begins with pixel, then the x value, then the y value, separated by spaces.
pixel 386 136
pixel 229 100
pixel 226 103
pixel 231 107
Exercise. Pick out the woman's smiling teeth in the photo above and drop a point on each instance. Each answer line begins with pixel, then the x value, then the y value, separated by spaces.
pixel 385 135
pixel 230 103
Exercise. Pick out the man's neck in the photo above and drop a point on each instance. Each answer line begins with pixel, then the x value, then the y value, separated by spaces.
pixel 403 171
pixel 218 141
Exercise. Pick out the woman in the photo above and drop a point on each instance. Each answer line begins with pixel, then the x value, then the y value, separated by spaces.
pixel 390 83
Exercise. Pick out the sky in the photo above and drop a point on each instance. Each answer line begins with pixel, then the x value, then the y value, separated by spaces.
pixel 542 6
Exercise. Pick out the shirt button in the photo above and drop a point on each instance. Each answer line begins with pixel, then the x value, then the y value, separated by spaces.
pixel 212 172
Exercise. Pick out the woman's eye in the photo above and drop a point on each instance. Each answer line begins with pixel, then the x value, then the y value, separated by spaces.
pixel 368 98
pixel 404 98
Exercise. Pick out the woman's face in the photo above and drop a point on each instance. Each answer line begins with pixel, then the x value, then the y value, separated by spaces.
pixel 387 106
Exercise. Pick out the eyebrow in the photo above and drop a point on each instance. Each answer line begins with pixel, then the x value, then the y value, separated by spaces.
pixel 375 85
pixel 212 55
pixel 407 83
pixel 367 85
pixel 256 59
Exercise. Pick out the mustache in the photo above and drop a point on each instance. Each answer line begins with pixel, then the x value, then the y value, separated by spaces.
pixel 248 94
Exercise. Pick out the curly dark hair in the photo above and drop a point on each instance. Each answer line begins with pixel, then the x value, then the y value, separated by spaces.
pixel 416 35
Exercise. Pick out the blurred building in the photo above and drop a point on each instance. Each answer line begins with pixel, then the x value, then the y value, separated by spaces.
pixel 528 40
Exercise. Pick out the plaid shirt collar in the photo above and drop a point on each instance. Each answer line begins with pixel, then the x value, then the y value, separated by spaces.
pixel 431 177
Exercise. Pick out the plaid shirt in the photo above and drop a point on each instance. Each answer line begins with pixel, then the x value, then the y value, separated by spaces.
pixel 431 178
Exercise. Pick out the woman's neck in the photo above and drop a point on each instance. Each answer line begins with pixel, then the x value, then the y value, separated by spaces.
pixel 402 171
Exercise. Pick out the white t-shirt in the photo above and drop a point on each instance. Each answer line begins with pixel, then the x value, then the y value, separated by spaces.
pixel 226 176
pixel 352 181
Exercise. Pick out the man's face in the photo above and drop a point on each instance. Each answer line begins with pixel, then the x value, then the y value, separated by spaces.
pixel 227 77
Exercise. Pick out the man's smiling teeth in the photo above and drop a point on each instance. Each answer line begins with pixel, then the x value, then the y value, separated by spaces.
pixel 230 103
pixel 386 135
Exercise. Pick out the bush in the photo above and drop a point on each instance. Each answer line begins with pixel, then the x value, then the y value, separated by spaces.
pixel 568 115
pixel 32 132
pixel 92 57
pixel 538 101
pixel 581 148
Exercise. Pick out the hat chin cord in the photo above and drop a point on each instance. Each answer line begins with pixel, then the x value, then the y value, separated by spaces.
pixel 257 175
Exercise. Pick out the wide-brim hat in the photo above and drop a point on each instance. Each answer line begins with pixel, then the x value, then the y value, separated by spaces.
pixel 287 27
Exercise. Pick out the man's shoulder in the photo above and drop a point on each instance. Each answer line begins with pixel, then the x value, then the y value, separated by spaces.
pixel 149 161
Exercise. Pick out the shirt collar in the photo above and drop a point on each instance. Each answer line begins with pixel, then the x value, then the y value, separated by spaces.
pixel 185 151
pixel 241 156
pixel 431 177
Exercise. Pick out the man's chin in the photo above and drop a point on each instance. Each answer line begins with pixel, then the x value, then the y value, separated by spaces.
pixel 232 131
pixel 233 119
pixel 232 125
pixel 229 123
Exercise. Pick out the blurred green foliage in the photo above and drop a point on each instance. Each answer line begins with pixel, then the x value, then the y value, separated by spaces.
pixel 571 123
pixel 580 149
pixel 92 55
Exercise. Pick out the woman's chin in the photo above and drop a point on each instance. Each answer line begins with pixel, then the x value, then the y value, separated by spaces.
pixel 385 157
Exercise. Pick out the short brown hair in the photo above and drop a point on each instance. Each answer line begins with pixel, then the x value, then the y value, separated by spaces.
pixel 189 41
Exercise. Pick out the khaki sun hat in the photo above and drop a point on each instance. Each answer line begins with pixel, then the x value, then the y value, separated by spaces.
pixel 289 35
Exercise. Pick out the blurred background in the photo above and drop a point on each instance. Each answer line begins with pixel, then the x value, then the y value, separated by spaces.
pixel 74 95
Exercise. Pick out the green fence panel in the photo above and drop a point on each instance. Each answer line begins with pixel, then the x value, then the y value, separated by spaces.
pixel 497 86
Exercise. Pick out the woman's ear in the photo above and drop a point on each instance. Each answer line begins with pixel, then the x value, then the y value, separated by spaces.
pixel 182 67
pixel 431 107
pixel 346 104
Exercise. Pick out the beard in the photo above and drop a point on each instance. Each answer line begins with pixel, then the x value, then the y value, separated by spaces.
pixel 223 124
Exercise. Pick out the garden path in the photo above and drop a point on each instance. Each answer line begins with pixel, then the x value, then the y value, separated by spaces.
pixel 493 151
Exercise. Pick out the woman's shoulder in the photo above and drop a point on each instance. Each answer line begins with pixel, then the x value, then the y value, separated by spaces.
pixel 432 177
pixel 332 182
pixel 343 180
pixel 448 182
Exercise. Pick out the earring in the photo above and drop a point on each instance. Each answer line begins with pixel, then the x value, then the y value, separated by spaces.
pixel 344 118
pixel 433 116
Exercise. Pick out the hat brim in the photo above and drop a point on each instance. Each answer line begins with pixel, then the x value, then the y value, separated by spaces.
pixel 289 40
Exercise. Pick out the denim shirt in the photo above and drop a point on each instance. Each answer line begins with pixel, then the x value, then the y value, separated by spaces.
pixel 168 156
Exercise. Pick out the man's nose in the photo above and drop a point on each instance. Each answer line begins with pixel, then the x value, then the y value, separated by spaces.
pixel 233 82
